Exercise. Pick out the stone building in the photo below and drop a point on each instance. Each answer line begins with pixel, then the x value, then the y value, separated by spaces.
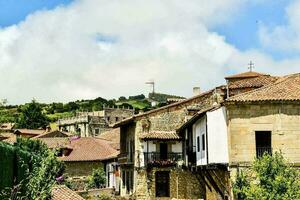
pixel 264 120
pixel 93 123
pixel 183 150
pixel 152 159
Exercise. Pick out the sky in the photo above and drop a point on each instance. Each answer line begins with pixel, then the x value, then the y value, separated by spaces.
pixel 63 50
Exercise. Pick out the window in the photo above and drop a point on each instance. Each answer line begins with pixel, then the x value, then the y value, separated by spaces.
pixel 198 143
pixel 203 142
pixel 263 143
pixel 97 131
pixel 117 119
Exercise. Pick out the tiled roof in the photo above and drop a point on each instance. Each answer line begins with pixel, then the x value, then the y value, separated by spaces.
pixel 30 131
pixel 55 142
pixel 52 134
pixel 245 75
pixel 62 192
pixel 255 82
pixel 90 149
pixel 162 135
pixel 286 88
pixel 113 136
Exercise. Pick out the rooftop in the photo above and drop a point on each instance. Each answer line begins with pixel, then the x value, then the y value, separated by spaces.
pixel 162 135
pixel 90 149
pixel 249 74
pixel 113 136
pixel 286 88
pixel 30 131
pixel 62 192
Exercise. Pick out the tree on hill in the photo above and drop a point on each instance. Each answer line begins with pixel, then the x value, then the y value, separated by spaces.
pixel 32 117
pixel 270 178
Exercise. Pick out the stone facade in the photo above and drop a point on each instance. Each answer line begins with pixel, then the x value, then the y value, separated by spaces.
pixel 281 119
pixel 168 118
pixel 93 123
pixel 81 168
pixel 183 184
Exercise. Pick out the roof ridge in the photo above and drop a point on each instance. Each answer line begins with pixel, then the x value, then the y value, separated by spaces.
pixel 278 81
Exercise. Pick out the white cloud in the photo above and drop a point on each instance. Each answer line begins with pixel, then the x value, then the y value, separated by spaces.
pixel 57 55
pixel 283 37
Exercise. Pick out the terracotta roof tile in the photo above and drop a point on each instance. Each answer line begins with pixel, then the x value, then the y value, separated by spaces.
pixel 163 135
pixel 55 142
pixel 255 82
pixel 62 192
pixel 245 75
pixel 113 136
pixel 52 134
pixel 30 131
pixel 90 149
pixel 286 88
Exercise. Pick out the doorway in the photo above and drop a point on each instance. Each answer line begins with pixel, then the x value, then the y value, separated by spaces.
pixel 163 151
pixel 162 184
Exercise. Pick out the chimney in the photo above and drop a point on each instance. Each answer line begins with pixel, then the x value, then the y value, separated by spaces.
pixel 196 91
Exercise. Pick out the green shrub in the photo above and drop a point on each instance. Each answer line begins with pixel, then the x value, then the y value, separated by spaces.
pixel 271 178
pixel 97 179
pixel 7 155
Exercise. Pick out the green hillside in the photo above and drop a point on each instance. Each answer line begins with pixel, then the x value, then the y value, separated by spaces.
pixel 55 111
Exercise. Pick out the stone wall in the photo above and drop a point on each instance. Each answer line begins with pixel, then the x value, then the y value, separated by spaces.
pixel 283 120
pixel 169 118
pixel 183 184
pixel 82 168
pixel 117 114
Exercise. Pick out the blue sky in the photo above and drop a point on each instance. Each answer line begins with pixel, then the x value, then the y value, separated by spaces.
pixel 14 11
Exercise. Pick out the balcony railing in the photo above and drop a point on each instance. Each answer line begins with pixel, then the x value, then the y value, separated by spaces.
pixel 160 159
pixel 260 151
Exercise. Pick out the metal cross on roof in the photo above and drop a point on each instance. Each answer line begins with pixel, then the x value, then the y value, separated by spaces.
pixel 251 66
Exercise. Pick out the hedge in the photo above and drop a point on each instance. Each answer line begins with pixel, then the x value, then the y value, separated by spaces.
pixel 14 164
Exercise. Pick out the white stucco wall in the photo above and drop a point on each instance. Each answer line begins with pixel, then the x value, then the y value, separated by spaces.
pixel 199 128
pixel 217 136
pixel 177 147
pixel 151 146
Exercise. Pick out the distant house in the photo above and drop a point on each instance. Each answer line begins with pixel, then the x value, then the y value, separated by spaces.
pixel 88 153
pixel 87 124
pixel 6 132
pixel 55 139
pixel 7 127
pixel 29 133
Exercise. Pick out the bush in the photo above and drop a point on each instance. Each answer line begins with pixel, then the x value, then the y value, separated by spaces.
pixel 270 178
pixel 32 173
pixel 97 179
